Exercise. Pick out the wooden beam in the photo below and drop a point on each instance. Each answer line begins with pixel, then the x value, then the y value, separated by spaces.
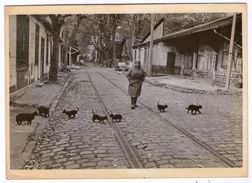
pixel 230 53
pixel 151 46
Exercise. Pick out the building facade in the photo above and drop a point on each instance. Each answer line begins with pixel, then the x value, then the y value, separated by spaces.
pixel 201 51
pixel 30 48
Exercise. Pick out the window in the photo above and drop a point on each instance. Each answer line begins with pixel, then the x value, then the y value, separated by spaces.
pixel 36 44
pixel 224 61
pixel 47 48
pixel 22 50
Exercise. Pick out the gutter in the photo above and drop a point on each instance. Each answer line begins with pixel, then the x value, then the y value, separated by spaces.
pixel 221 35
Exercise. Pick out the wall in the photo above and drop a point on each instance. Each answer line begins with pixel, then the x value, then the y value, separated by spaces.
pixel 32 70
pixel 157 33
pixel 159 61
pixel 35 70
pixel 12 51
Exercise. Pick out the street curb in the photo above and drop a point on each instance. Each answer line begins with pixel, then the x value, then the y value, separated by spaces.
pixel 58 97
pixel 52 110
pixel 194 91
pixel 191 90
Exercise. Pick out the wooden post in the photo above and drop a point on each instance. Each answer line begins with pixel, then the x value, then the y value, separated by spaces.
pixel 230 53
pixel 182 65
pixel 214 64
pixel 151 47
pixel 194 65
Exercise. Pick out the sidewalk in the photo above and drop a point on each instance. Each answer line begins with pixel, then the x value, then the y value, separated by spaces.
pixel 188 85
pixel 23 137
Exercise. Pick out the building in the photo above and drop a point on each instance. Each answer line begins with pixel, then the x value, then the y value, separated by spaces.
pixel 30 48
pixel 201 50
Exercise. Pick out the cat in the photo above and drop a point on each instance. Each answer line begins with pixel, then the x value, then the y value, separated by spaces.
pixel 72 113
pixel 194 109
pixel 25 117
pixel 99 118
pixel 116 117
pixel 43 111
pixel 161 108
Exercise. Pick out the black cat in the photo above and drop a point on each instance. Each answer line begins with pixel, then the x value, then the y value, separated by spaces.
pixel 194 109
pixel 43 111
pixel 116 117
pixel 25 117
pixel 72 113
pixel 161 108
pixel 99 118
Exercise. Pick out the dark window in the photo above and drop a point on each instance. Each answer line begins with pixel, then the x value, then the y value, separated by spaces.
pixel 47 48
pixel 224 60
pixel 216 62
pixel 37 44
pixel 22 41
pixel 42 56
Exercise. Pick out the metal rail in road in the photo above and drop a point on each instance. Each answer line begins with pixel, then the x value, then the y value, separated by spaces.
pixel 131 156
pixel 203 145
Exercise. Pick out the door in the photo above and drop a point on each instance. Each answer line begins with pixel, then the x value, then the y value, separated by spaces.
pixel 171 62
pixel 22 50
pixel 42 56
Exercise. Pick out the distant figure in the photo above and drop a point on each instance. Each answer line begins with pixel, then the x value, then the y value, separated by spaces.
pixel 136 76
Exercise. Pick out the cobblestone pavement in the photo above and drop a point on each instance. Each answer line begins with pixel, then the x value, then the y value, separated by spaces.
pixel 80 143
pixel 219 125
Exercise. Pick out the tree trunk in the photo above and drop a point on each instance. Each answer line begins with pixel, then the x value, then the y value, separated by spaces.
pixel 132 42
pixel 53 73
pixel 113 48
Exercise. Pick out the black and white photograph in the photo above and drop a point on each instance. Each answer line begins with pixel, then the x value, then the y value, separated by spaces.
pixel 127 90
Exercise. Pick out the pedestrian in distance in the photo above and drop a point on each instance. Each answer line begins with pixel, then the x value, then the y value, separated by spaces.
pixel 136 76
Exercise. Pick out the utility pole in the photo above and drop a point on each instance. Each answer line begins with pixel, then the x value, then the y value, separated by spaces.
pixel 151 46
pixel 230 53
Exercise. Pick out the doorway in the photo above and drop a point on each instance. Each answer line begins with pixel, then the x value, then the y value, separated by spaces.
pixel 22 51
pixel 42 60
pixel 170 67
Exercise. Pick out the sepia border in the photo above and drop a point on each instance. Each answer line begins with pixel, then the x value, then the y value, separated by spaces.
pixel 130 173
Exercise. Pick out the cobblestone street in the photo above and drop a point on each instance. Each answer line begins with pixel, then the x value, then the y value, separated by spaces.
pixel 145 138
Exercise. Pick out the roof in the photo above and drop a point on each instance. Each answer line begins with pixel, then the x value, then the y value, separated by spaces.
pixel 44 20
pixel 199 28
pixel 156 25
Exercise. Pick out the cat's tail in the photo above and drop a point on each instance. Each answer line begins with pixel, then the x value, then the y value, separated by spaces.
pixel 92 111
pixel 158 102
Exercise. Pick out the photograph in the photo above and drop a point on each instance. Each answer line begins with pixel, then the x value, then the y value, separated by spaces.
pixel 137 91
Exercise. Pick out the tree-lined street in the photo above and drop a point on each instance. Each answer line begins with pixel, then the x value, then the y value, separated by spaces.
pixel 173 139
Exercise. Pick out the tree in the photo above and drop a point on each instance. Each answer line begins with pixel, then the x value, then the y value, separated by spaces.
pixel 114 21
pixel 56 24
pixel 71 27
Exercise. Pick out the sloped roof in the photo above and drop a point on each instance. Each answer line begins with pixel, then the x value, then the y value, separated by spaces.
pixel 199 28
pixel 155 26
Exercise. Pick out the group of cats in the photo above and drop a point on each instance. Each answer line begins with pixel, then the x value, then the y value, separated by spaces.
pixel 44 111
pixel 193 108
pixel 114 117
